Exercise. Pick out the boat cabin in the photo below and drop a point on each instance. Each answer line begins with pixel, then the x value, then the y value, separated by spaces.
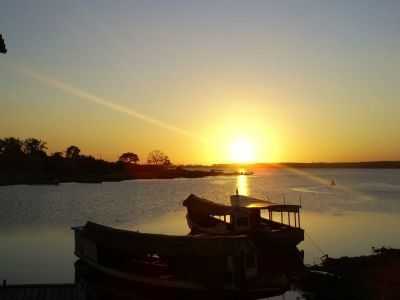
pixel 245 216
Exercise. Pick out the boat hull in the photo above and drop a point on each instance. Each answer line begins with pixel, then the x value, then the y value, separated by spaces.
pixel 100 282
pixel 125 262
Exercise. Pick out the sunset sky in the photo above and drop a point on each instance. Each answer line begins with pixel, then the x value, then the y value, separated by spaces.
pixel 285 80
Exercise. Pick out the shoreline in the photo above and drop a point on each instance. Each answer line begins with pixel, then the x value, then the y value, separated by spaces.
pixel 43 179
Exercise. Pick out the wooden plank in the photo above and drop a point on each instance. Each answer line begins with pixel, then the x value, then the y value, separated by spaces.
pixel 41 292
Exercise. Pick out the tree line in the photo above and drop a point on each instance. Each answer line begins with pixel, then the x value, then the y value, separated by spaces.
pixel 14 149
pixel 155 157
pixel 27 160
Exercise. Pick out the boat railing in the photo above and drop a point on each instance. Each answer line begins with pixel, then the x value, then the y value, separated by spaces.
pixel 286 211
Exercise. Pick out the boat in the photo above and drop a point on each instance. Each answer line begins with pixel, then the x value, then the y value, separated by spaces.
pixel 3 48
pixel 245 216
pixel 197 264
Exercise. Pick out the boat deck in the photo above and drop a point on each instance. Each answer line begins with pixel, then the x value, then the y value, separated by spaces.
pixel 41 292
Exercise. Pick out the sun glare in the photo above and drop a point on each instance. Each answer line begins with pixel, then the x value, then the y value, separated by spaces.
pixel 242 151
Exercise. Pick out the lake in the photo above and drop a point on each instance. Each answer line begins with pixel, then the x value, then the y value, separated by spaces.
pixel 36 244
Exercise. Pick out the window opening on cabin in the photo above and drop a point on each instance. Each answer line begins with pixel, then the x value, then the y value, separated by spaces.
pixel 225 218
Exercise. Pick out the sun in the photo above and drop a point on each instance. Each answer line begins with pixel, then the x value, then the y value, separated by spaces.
pixel 242 151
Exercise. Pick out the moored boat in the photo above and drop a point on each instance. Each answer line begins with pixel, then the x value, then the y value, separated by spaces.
pixel 194 264
pixel 244 216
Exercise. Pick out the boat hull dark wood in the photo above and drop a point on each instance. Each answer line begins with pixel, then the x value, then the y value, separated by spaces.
pixel 194 264
pixel 101 284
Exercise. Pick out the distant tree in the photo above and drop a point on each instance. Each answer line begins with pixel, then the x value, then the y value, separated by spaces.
pixel 34 147
pixel 72 152
pixel 167 162
pixel 157 157
pixel 2 146
pixel 129 157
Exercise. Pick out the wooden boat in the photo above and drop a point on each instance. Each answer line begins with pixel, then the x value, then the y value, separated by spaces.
pixel 194 264
pixel 245 217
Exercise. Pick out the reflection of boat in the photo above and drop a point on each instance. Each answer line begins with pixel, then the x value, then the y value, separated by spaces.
pixel 244 217
pixel 227 266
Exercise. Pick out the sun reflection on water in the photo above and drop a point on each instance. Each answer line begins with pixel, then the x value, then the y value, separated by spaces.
pixel 242 185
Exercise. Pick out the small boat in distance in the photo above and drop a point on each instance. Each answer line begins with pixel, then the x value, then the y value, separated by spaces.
pixel 3 48
pixel 244 216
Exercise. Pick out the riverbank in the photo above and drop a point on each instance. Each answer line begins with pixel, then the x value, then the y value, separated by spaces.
pixel 374 276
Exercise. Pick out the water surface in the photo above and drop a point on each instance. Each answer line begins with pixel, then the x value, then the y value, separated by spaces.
pixel 36 243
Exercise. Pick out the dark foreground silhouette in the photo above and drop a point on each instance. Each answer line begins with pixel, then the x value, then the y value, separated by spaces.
pixel 124 264
pixel 375 276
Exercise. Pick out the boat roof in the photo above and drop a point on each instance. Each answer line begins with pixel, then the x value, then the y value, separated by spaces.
pixel 284 207
pixel 201 205
pixel 129 242
pixel 250 202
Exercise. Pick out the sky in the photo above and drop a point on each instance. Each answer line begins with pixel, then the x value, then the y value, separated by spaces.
pixel 295 80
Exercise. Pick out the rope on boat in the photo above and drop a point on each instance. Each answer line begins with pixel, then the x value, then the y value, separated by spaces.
pixel 315 244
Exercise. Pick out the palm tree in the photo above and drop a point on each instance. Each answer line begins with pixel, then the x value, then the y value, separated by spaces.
pixel 11 146
pixel 34 146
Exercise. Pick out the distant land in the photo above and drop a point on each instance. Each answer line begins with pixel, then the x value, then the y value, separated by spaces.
pixel 316 165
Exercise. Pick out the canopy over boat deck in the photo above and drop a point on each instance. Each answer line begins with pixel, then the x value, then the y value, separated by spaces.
pixel 244 204
pixel 271 207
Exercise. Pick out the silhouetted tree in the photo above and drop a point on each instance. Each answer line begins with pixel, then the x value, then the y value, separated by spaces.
pixel 11 156
pixel 3 48
pixel 157 157
pixel 11 147
pixel 129 157
pixel 2 145
pixel 72 152
pixel 167 162
pixel 34 147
